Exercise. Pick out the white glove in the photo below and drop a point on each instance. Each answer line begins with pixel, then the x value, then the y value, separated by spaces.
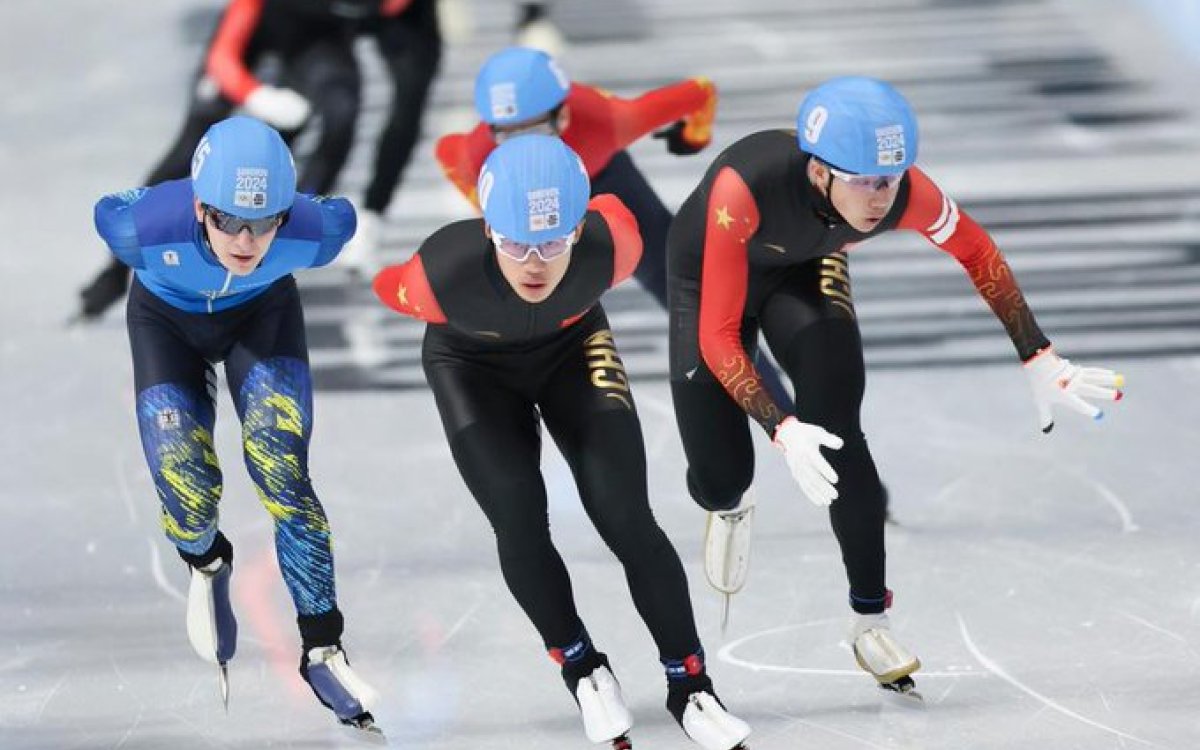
pixel 801 445
pixel 359 256
pixel 282 109
pixel 1055 380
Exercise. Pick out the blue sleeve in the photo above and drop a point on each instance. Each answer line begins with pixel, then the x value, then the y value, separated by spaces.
pixel 338 224
pixel 116 226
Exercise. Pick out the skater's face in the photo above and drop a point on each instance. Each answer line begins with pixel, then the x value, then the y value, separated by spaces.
pixel 238 244
pixel 533 271
pixel 862 200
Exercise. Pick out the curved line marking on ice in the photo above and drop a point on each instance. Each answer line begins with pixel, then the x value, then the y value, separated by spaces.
pixel 997 670
pixel 160 575
pixel 1110 497
pixel 726 655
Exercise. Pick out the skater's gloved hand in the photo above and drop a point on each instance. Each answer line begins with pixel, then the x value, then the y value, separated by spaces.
pixel 282 109
pixel 801 444
pixel 692 134
pixel 677 143
pixel 1057 382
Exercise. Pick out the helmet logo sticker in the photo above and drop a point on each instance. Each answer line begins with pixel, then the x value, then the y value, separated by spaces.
pixel 815 124
pixel 250 190
pixel 504 100
pixel 202 152
pixel 889 145
pixel 486 181
pixel 543 209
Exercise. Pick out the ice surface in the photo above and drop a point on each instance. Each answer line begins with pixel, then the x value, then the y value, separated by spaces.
pixel 1050 584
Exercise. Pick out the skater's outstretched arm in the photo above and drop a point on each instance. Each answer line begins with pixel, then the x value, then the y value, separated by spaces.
pixel 1054 381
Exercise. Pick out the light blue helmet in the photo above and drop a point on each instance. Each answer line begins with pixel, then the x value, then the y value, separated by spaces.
pixel 860 125
pixel 242 167
pixel 518 84
pixel 533 188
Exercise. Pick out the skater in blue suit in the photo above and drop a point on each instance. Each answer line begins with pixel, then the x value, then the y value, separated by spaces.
pixel 213 258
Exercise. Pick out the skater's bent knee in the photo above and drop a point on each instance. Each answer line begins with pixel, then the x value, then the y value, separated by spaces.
pixel 716 492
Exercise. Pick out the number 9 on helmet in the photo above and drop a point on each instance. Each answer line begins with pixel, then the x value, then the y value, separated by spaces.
pixel 242 167
pixel 860 125
pixel 533 188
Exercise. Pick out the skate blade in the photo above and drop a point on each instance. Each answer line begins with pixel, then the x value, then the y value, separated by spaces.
pixel 622 743
pixel 223 681
pixel 905 690
pixel 364 729
pixel 726 606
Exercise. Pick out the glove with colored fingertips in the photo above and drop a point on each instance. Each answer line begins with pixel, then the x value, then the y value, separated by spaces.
pixel 282 109
pixel 1055 381
pixel 801 444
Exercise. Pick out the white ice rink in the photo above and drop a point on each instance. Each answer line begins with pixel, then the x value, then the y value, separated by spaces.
pixel 1050 584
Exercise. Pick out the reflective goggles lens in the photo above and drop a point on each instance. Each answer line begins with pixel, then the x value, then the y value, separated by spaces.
pixel 519 251
pixel 230 224
pixel 539 127
pixel 867 182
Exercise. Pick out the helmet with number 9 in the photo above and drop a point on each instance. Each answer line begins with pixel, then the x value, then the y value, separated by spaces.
pixel 860 125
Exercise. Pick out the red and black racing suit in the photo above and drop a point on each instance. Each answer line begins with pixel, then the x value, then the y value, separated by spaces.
pixel 757 247
pixel 495 363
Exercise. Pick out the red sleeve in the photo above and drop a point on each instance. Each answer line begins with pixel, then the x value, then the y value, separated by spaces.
pixel 732 219
pixel 405 289
pixel 462 155
pixel 694 101
pixel 627 240
pixel 936 216
pixel 225 63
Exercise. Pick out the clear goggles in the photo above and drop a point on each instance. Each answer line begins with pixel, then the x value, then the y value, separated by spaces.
pixel 544 126
pixel 230 224
pixel 520 251
pixel 867 183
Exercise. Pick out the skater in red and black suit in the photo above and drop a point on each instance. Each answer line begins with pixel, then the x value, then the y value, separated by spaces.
pixel 520 90
pixel 516 334
pixel 762 244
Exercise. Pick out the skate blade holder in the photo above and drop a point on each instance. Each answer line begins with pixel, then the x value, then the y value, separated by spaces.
pixel 363 730
pixel 903 692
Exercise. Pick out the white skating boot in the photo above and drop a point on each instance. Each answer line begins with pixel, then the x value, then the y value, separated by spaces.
pixel 710 726
pixel 881 655
pixel 211 626
pixel 727 545
pixel 727 548
pixel 606 718
pixel 339 689
pixel 360 256
pixel 693 703
pixel 535 29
